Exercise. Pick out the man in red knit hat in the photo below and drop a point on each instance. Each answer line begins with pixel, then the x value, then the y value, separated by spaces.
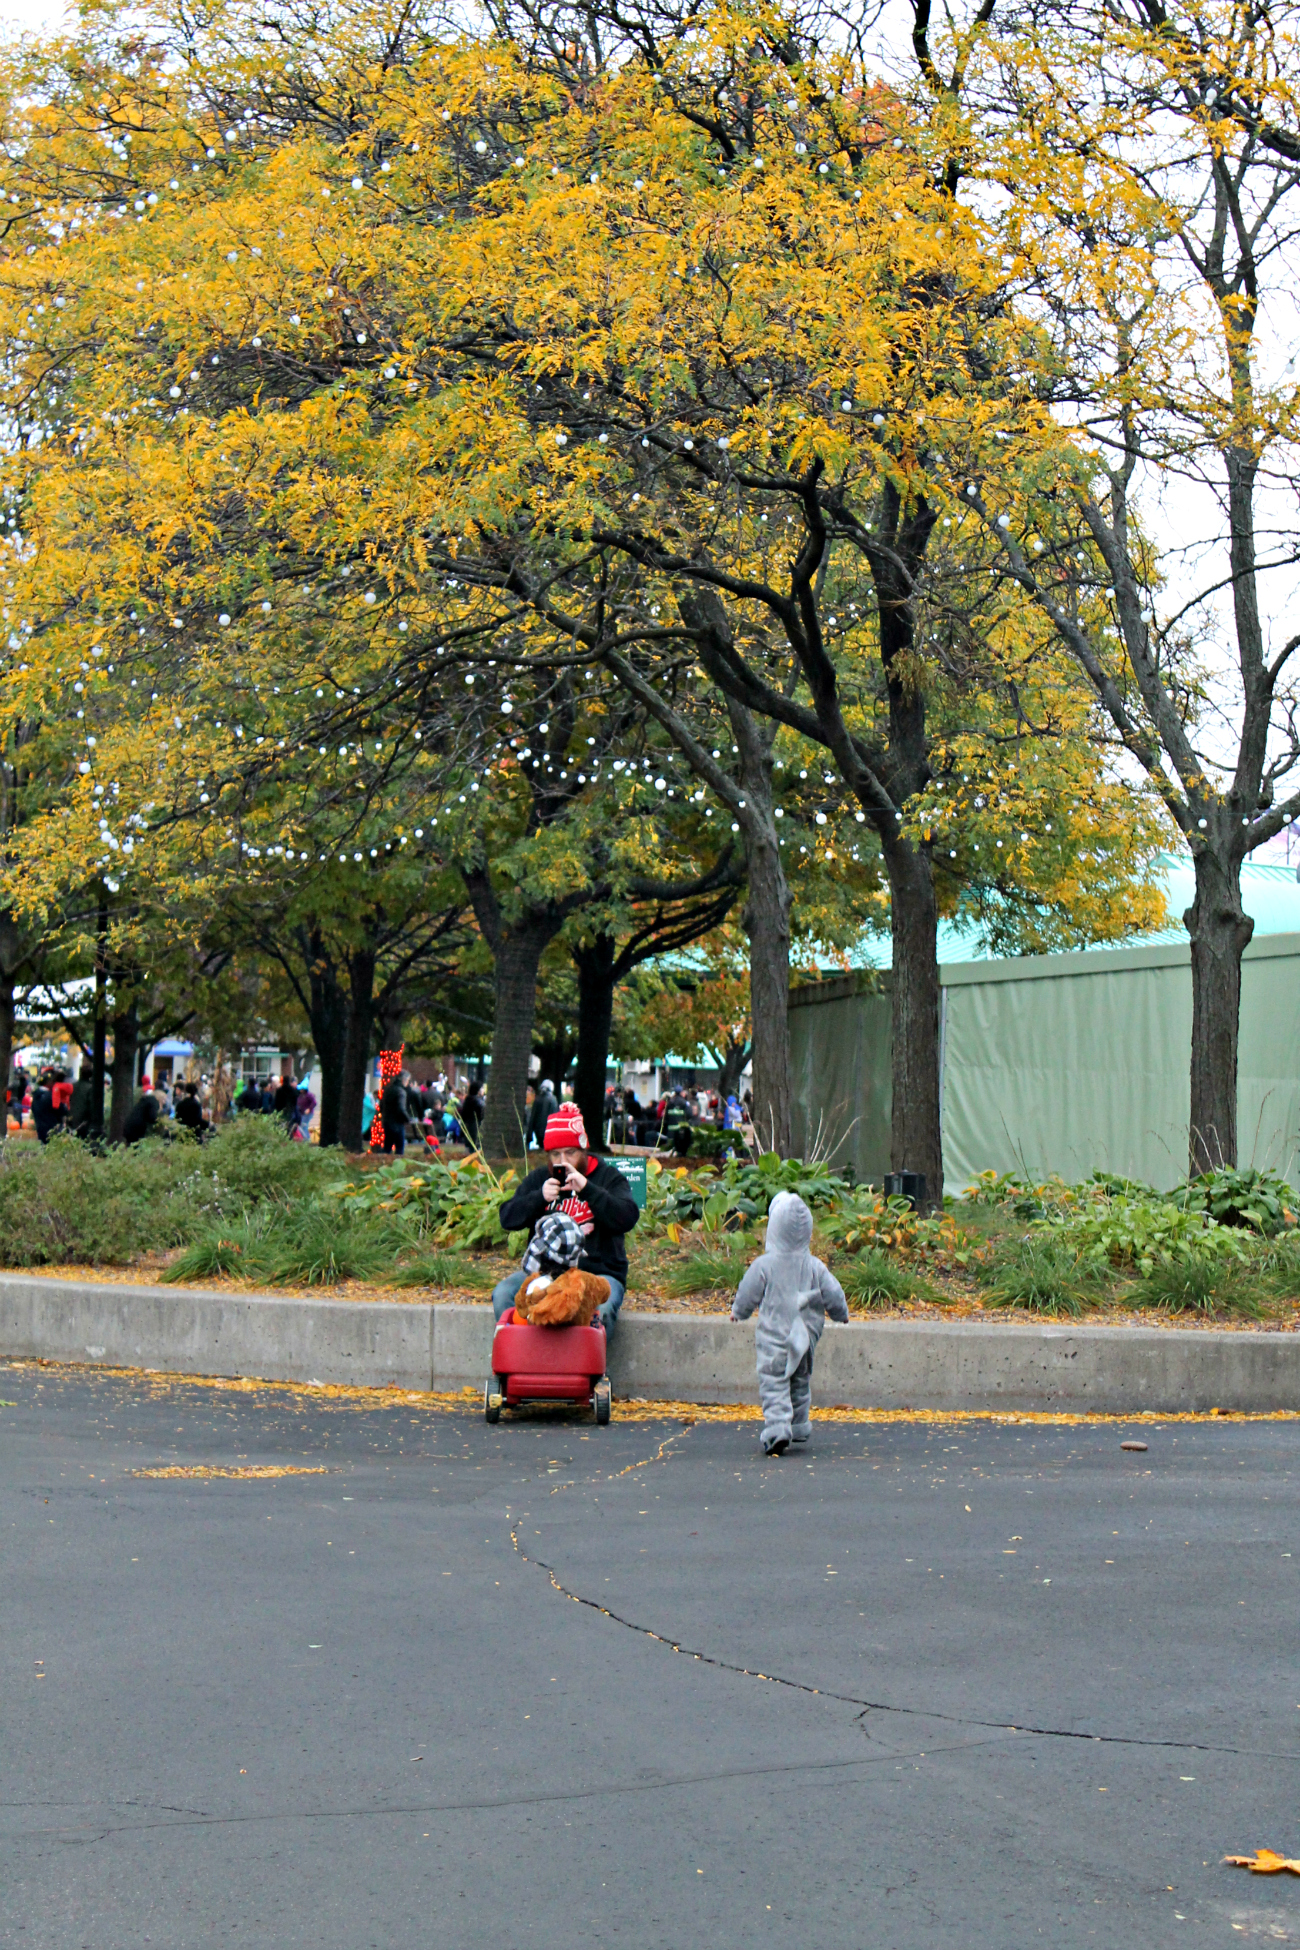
pixel 591 1192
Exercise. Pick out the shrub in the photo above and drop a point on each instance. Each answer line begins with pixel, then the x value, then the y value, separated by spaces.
pixel 256 1160
pixel 995 1188
pixel 61 1204
pixel 893 1225
pixel 453 1204
pixel 1143 1233
pixel 1261 1201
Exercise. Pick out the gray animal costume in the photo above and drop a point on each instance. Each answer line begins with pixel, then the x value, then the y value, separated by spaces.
pixel 793 1293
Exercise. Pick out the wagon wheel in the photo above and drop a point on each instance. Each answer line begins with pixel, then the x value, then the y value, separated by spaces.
pixel 602 1397
pixel 493 1394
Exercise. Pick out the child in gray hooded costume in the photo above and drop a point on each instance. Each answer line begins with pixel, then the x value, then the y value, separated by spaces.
pixel 793 1293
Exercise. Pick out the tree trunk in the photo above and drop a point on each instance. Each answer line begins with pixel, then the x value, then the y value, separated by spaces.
pixel 126 1047
pixel 734 1058
pixel 99 1044
pixel 916 1142
pixel 518 954
pixel 328 1014
pixel 1219 933
pixel 6 1034
pixel 595 965
pixel 767 923
pixel 356 1052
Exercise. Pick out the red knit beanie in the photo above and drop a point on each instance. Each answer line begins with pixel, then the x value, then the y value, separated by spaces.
pixel 564 1130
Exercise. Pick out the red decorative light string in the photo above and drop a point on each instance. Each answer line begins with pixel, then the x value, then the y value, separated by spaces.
pixel 390 1066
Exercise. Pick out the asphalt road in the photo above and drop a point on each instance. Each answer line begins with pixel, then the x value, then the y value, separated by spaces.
pixel 546 1685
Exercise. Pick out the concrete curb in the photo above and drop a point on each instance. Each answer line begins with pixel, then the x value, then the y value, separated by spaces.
pixel 660 1357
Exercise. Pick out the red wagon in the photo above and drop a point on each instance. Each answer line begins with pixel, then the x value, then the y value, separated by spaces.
pixel 546 1364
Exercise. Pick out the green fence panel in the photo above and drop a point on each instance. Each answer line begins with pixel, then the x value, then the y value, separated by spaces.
pixel 1055 1063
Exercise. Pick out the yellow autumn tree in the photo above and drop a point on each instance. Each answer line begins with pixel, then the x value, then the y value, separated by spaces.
pixel 350 369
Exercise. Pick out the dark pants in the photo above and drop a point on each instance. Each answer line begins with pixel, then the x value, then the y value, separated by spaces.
pixel 395 1141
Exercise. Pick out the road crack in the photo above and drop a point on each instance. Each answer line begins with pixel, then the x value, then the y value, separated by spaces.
pixel 865 1706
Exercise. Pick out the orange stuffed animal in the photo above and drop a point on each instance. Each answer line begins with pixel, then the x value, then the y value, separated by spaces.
pixel 568 1299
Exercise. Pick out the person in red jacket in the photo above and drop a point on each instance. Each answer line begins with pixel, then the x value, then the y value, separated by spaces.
pixel 592 1192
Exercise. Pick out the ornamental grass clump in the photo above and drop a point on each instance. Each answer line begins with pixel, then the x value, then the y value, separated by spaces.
pixel 1043 1274
pixel 1201 1285
pixel 872 1280
pixel 714 1269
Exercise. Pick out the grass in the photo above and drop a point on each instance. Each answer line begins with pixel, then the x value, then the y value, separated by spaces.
pixel 871 1279
pixel 1202 1286
pixel 1042 1275
pixel 710 1270
pixel 313 1244
pixel 446 1269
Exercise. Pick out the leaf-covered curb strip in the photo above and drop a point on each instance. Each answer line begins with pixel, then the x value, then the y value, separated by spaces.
pixel 635 1410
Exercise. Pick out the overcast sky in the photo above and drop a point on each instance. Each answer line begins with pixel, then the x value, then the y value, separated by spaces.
pixel 17 16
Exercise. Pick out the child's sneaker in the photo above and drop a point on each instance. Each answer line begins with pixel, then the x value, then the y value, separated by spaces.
pixel 776 1445
pixel 800 1432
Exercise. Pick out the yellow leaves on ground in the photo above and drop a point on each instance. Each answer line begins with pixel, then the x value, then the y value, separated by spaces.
pixel 1264 1863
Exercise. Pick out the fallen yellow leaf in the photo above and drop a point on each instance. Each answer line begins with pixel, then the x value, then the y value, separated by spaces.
pixel 1264 1862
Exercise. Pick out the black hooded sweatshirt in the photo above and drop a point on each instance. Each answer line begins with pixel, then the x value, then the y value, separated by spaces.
pixel 612 1207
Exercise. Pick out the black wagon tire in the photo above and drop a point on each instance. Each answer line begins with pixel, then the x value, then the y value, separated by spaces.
pixel 493 1394
pixel 602 1396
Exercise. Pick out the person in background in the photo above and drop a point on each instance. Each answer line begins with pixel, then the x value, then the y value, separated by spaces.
pixel 250 1097
pixel 677 1122
pixel 367 1115
pixel 189 1111
pixel 394 1110
pixel 79 1102
pixel 61 1093
pixel 471 1113
pixel 43 1118
pixel 141 1119
pixel 285 1102
pixel 301 1115
pixel 544 1107
pixel 16 1095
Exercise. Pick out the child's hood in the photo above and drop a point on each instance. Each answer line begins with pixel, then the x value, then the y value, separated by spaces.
pixel 789 1224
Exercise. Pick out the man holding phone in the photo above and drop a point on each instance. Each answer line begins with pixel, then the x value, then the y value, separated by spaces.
pixel 591 1192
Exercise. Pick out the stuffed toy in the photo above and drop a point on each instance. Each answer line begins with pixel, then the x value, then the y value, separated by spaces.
pixel 559 1293
pixel 568 1299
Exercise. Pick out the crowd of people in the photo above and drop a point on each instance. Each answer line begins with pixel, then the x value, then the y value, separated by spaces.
pixel 431 1114
pixel 293 1103
pixel 669 1120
